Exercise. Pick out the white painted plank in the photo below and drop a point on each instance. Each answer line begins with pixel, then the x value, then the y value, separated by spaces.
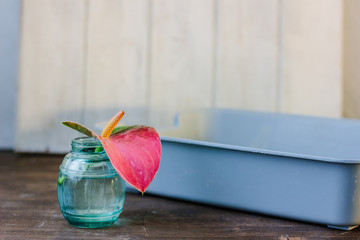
pixel 247 54
pixel 312 57
pixel 51 79
pixel 182 54
pixel 9 51
pixel 117 58
pixel 351 59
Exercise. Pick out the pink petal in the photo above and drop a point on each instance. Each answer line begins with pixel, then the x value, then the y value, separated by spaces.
pixel 135 155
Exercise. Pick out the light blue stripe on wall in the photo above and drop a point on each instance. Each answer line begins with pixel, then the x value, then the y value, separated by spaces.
pixel 9 58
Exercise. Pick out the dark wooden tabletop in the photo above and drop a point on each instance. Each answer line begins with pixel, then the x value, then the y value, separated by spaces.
pixel 29 210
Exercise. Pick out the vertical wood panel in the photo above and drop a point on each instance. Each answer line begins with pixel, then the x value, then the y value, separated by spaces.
pixel 50 85
pixel 312 55
pixel 117 57
pixel 351 59
pixel 182 54
pixel 247 54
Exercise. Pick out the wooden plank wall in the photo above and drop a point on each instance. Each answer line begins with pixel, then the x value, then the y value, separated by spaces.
pixel 81 60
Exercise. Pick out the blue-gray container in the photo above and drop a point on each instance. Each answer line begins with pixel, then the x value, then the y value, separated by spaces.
pixel 304 168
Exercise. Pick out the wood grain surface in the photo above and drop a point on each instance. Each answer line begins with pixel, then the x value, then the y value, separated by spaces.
pixel 29 210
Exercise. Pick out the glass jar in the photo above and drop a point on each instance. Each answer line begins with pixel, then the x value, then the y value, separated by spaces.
pixel 91 193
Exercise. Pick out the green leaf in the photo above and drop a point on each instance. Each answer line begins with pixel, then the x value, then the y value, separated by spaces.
pixel 80 128
pixel 99 149
pixel 60 180
pixel 123 129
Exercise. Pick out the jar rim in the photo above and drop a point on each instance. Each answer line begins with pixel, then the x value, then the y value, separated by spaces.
pixel 87 142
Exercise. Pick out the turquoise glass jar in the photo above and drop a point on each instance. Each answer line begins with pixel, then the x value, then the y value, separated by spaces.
pixel 90 192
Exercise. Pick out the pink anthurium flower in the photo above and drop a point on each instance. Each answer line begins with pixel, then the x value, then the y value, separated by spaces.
pixel 134 151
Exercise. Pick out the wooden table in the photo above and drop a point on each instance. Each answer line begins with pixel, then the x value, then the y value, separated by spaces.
pixel 29 210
